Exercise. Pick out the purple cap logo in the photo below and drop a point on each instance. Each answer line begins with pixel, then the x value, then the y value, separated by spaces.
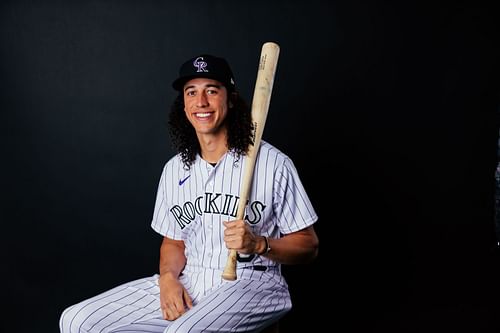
pixel 200 64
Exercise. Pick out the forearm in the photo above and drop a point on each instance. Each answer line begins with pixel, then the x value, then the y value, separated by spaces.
pixel 172 258
pixel 296 248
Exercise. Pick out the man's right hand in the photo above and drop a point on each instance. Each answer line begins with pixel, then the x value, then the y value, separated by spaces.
pixel 174 298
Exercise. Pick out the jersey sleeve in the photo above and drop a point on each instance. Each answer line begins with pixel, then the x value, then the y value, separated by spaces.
pixel 292 205
pixel 161 222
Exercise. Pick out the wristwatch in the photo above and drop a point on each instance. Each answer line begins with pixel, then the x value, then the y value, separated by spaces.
pixel 268 247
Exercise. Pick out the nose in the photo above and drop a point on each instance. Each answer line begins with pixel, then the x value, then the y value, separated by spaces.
pixel 201 100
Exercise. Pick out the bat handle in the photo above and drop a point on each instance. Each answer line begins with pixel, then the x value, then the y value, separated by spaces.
pixel 229 272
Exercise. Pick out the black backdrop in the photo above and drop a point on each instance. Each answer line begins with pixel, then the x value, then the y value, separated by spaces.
pixel 388 110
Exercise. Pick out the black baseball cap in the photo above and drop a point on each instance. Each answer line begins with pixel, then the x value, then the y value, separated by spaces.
pixel 206 66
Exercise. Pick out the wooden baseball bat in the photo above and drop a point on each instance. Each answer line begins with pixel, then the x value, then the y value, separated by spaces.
pixel 260 105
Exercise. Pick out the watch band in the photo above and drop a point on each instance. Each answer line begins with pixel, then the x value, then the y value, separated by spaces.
pixel 268 247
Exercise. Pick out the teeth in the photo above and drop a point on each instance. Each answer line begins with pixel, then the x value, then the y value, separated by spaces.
pixel 203 115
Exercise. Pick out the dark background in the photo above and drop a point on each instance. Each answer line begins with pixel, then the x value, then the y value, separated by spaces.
pixel 389 111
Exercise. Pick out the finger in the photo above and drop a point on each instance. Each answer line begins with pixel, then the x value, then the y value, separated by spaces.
pixel 229 224
pixel 231 231
pixel 171 314
pixel 232 239
pixel 231 235
pixel 187 299
pixel 164 314
pixel 179 307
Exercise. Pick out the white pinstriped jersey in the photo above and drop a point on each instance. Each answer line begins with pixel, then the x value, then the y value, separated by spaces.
pixel 191 205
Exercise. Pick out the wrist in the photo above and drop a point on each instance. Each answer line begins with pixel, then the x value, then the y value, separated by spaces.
pixel 168 275
pixel 265 248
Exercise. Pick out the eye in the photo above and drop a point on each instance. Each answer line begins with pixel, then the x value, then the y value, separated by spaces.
pixel 212 92
pixel 190 93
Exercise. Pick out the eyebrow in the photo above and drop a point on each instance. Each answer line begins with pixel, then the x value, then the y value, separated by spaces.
pixel 210 85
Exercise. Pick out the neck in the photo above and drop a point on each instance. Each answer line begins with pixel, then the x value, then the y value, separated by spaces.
pixel 213 147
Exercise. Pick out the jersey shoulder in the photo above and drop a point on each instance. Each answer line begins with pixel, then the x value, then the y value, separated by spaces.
pixel 267 150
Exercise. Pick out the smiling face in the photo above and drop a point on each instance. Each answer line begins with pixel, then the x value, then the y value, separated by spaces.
pixel 206 105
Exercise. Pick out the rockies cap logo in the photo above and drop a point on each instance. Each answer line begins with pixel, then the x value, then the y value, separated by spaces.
pixel 200 65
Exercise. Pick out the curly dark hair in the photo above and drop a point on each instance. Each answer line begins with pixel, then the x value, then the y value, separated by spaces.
pixel 238 123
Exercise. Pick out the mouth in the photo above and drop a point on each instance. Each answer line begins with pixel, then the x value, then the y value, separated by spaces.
pixel 203 114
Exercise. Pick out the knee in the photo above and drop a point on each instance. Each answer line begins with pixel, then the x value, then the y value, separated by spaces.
pixel 65 321
pixel 72 319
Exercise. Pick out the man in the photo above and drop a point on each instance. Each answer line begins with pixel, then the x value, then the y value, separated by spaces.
pixel 195 212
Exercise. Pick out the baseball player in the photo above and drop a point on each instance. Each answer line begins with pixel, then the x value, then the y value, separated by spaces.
pixel 195 213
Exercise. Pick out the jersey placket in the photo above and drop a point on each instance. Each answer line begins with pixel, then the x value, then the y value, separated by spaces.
pixel 208 218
